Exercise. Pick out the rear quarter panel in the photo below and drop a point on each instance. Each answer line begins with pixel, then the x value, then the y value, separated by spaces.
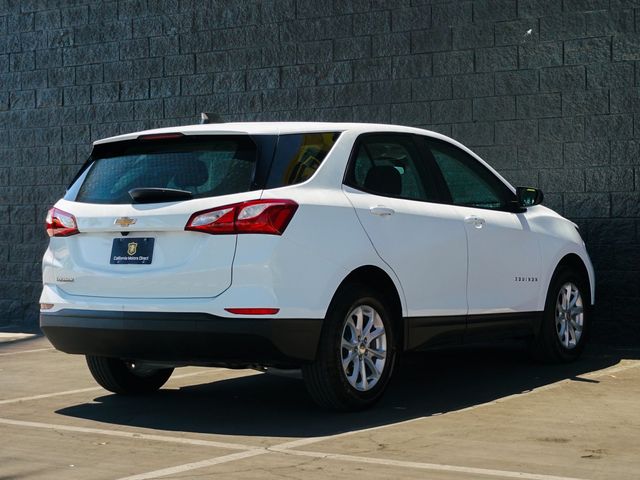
pixel 323 244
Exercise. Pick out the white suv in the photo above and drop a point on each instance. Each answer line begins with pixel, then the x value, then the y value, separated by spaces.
pixel 323 246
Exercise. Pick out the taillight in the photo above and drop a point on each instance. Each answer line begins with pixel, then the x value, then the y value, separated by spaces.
pixel 269 217
pixel 60 223
pixel 265 216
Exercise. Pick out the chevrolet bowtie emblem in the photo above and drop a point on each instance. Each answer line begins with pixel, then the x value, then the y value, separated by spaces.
pixel 125 221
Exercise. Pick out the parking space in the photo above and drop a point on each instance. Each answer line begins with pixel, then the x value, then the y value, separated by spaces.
pixel 60 454
pixel 481 413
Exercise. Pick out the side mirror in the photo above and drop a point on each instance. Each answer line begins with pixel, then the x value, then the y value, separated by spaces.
pixel 529 196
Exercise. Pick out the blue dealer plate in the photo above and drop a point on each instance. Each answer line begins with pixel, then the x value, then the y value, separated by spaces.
pixel 127 250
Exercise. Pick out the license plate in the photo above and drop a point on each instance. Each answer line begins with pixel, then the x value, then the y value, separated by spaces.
pixel 132 250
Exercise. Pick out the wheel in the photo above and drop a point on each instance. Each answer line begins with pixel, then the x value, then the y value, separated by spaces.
pixel 120 376
pixel 566 319
pixel 356 354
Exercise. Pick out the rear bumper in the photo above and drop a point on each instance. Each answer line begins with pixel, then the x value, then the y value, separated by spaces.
pixel 183 338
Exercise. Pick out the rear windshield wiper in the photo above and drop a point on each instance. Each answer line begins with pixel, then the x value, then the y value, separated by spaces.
pixel 157 195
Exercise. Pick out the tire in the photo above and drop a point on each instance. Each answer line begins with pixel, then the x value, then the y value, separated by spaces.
pixel 555 343
pixel 118 376
pixel 335 387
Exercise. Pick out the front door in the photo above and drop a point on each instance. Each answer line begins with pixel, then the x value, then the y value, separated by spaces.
pixel 504 258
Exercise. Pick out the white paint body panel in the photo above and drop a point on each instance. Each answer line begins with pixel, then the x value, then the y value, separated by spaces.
pixel 502 251
pixel 185 264
pixel 327 239
pixel 558 237
pixel 426 246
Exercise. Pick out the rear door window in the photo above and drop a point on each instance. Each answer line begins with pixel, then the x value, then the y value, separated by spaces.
pixel 391 165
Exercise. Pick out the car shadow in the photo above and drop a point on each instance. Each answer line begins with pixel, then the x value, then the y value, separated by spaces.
pixel 264 405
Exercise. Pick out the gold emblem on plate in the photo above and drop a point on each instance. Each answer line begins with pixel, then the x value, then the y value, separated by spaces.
pixel 132 248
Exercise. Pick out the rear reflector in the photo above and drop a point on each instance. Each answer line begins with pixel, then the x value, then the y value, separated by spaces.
pixel 60 223
pixel 269 217
pixel 253 311
pixel 46 306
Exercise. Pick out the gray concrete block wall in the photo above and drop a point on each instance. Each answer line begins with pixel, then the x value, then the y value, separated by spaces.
pixel 548 91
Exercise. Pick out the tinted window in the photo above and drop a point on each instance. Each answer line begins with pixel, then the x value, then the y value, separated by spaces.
pixel 215 165
pixel 469 182
pixel 205 165
pixel 298 156
pixel 390 165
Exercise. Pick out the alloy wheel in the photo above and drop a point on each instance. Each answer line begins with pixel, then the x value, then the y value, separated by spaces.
pixel 363 347
pixel 569 316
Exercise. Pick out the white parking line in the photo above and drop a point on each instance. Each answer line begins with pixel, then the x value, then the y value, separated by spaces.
pixel 435 467
pixel 124 434
pixel 232 457
pixel 94 389
pixel 13 336
pixel 18 352
pixel 48 395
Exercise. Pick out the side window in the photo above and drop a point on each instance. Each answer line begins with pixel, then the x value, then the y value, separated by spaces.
pixel 469 182
pixel 298 156
pixel 390 165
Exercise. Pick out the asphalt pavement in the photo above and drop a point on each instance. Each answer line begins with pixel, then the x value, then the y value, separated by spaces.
pixel 481 413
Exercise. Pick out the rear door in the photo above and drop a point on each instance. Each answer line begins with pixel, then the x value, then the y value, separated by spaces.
pixel 138 248
pixel 390 185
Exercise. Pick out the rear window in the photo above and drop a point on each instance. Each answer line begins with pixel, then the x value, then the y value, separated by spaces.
pixel 204 165
pixel 206 168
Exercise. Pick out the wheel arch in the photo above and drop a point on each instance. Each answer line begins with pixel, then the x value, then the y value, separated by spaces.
pixel 576 263
pixel 379 280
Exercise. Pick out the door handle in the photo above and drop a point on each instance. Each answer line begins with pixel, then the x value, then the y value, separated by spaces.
pixel 382 211
pixel 477 222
